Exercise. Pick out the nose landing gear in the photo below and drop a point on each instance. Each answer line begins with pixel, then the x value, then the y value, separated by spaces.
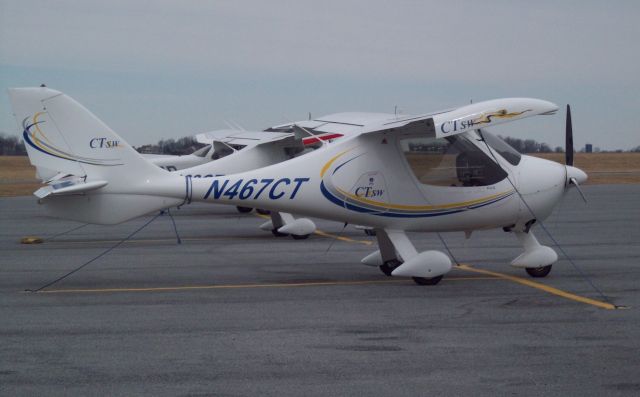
pixel 538 272
pixel 537 259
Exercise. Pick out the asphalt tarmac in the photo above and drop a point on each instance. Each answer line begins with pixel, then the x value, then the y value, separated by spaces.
pixel 235 311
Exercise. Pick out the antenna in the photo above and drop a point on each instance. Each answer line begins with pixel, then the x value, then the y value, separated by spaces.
pixel 231 126
pixel 238 126
pixel 309 115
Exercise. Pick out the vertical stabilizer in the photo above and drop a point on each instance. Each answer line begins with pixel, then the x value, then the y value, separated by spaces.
pixel 62 135
pixel 95 176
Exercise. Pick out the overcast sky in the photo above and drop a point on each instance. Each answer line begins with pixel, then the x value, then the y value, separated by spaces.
pixel 162 69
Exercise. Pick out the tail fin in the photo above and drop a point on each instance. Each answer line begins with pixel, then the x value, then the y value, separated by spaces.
pixel 62 135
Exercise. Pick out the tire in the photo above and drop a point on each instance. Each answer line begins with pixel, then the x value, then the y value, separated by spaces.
pixel 427 280
pixel 262 212
pixel 389 266
pixel 300 236
pixel 276 233
pixel 538 272
pixel 244 210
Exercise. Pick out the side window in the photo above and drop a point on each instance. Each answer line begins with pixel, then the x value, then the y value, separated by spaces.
pixel 451 161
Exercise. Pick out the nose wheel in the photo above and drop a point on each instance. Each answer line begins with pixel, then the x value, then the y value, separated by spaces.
pixel 538 272
pixel 427 281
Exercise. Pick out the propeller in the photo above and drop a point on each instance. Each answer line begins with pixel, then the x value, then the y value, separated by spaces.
pixel 574 175
pixel 568 146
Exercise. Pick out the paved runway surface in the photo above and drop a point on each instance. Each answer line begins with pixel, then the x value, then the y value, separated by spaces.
pixel 235 311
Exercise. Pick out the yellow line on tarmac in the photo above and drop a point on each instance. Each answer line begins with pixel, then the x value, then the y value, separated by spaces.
pixel 244 286
pixel 162 240
pixel 542 287
pixel 342 238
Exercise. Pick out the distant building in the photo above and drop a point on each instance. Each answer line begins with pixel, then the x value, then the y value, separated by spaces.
pixel 588 148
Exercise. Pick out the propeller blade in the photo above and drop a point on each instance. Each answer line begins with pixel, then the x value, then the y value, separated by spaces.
pixel 568 146
pixel 577 185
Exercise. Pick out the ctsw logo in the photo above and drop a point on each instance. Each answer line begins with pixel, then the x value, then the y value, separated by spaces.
pixel 103 143
pixel 484 118
pixel 369 191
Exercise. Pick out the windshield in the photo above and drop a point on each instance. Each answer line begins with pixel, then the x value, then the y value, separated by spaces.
pixel 499 145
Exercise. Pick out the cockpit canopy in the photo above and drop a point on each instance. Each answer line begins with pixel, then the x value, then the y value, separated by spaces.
pixel 456 161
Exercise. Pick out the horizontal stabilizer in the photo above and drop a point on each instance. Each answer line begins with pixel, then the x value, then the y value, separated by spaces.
pixel 68 187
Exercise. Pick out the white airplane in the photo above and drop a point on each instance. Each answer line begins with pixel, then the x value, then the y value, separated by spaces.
pixel 247 150
pixel 232 151
pixel 222 143
pixel 171 162
pixel 431 173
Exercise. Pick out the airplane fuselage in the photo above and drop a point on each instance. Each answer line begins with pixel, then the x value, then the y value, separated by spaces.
pixel 365 181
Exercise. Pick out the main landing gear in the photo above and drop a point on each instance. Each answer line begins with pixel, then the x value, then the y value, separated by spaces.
pixel 398 257
pixel 389 266
pixel 283 224
pixel 276 233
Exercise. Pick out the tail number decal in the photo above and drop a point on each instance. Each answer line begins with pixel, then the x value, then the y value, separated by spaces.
pixel 253 189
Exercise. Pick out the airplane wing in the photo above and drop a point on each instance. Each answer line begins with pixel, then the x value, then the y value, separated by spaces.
pixel 466 118
pixel 241 138
pixel 332 126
